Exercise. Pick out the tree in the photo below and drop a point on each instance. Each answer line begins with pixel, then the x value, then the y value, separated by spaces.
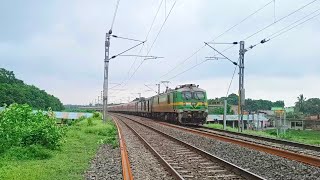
pixel 233 99
pixel 220 110
pixel 278 104
pixel 312 106
pixel 300 104
pixel 13 90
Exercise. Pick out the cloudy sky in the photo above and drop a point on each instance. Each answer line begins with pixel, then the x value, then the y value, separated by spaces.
pixel 59 46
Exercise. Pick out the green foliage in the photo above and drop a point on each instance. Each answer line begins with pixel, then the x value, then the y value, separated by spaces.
pixel 312 106
pixel 251 104
pixel 220 110
pixel 28 153
pixel 13 90
pixel 303 136
pixel 90 121
pixel 21 127
pixel 300 104
pixel 97 115
pixel 69 162
pixel 309 107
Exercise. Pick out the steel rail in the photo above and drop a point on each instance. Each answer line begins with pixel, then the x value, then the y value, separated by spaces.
pixel 314 161
pixel 269 139
pixel 126 168
pixel 154 152
pixel 236 169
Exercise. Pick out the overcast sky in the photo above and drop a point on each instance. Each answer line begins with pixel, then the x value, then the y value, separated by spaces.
pixel 58 46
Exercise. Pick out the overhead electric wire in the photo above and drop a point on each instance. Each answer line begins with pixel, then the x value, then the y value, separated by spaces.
pixel 233 62
pixel 280 19
pixel 153 40
pixel 255 12
pixel 115 14
pixel 187 69
pixel 296 25
pixel 284 17
pixel 287 28
pixel 202 63
pixel 229 29
pixel 127 50
pixel 119 37
pixel 126 82
pixel 234 72
pixel 143 44
pixel 154 18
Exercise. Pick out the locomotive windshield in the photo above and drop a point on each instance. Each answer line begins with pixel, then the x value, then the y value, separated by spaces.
pixel 199 95
pixel 186 95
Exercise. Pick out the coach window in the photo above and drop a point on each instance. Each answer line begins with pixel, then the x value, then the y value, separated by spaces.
pixel 168 98
pixel 158 99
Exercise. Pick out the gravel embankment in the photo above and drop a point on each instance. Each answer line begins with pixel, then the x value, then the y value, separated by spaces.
pixel 143 163
pixel 106 164
pixel 263 164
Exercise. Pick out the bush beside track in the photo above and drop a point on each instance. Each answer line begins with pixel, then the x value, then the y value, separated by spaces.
pixel 36 148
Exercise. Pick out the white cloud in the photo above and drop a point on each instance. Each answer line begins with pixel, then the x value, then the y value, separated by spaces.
pixel 66 57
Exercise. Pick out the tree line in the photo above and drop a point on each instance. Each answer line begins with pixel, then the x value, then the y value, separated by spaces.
pixel 251 104
pixel 13 90
pixel 306 106
pixel 303 105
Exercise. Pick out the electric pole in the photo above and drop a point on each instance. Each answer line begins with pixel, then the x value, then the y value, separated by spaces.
pixel 105 82
pixel 241 84
pixel 158 88
pixel 101 97
pixel 166 84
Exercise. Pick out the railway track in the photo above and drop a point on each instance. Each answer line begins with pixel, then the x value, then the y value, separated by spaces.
pixel 181 159
pixel 276 143
pixel 268 139
pixel 307 156
pixel 126 168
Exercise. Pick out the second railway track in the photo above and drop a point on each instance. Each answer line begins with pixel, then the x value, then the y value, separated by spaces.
pixel 183 160
pixel 293 152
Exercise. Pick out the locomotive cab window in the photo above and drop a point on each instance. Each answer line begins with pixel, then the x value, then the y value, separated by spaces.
pixel 186 95
pixel 199 95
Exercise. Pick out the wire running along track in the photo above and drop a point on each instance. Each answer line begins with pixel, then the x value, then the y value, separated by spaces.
pixel 181 159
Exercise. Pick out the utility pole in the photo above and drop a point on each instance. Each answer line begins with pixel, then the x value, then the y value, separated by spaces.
pixel 166 84
pixel 106 69
pixel 158 88
pixel 139 96
pixel 225 115
pixel 101 97
pixel 241 84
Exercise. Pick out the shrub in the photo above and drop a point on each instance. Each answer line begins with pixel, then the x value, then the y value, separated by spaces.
pixel 90 121
pixel 97 115
pixel 20 126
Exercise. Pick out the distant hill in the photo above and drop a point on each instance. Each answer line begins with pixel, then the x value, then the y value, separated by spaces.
pixel 13 90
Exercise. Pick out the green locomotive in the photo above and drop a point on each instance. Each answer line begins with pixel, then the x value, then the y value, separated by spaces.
pixel 186 104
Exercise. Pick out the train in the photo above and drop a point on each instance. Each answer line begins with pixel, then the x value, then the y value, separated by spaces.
pixel 186 105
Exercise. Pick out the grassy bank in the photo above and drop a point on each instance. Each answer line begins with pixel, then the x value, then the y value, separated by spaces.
pixel 70 161
pixel 302 136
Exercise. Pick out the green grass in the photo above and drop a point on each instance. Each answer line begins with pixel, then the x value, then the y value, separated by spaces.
pixel 302 136
pixel 69 162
